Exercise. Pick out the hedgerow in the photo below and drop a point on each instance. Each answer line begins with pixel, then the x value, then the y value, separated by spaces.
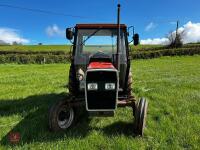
pixel 33 59
pixel 47 57
pixel 165 52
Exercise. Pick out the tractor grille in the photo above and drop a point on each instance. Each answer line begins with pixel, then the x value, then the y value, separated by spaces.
pixel 101 99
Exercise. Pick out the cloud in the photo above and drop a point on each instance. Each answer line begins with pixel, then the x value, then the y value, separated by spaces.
pixel 3 42
pixel 150 26
pixel 155 41
pixel 190 32
pixel 8 35
pixel 55 31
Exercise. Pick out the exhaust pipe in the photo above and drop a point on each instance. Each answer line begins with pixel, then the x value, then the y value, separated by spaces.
pixel 118 38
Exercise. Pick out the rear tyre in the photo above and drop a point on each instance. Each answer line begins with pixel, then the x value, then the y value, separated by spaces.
pixel 72 85
pixel 130 81
pixel 61 116
pixel 140 116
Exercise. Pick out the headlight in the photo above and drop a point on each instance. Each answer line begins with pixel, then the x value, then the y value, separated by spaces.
pixel 80 74
pixel 110 86
pixel 92 86
pixel 80 77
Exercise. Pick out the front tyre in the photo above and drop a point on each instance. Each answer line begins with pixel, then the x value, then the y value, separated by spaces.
pixel 61 116
pixel 140 116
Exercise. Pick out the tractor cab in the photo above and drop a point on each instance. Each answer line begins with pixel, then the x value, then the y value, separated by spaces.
pixel 100 65
pixel 92 39
pixel 99 41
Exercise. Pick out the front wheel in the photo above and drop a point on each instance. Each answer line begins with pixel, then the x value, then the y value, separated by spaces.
pixel 140 116
pixel 61 116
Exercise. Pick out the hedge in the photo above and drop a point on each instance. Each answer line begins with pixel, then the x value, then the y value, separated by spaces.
pixel 164 52
pixel 64 57
pixel 34 59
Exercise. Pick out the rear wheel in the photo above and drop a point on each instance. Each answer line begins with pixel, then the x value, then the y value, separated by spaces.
pixel 130 81
pixel 140 116
pixel 61 116
pixel 72 85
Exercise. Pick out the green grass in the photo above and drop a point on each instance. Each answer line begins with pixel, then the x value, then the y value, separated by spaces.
pixel 58 47
pixel 35 48
pixel 171 84
pixel 146 47
pixel 67 47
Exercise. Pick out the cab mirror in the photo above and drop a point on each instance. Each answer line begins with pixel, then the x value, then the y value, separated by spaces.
pixel 136 39
pixel 69 33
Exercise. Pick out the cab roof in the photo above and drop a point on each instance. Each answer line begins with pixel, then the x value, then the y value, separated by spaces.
pixel 94 26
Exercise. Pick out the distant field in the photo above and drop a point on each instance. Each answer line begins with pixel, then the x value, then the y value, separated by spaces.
pixel 35 48
pixel 67 47
pixel 146 47
pixel 58 47
pixel 171 84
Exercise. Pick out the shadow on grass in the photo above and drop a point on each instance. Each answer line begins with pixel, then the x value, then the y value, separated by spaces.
pixel 119 128
pixel 34 125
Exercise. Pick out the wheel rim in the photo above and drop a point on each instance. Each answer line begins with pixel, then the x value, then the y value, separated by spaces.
pixel 65 117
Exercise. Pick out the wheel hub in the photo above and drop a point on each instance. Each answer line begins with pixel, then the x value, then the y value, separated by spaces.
pixel 65 117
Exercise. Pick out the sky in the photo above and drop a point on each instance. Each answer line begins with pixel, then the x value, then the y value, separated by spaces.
pixel 153 19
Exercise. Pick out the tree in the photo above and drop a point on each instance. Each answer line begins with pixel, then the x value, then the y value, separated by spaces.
pixel 175 39
pixel 16 43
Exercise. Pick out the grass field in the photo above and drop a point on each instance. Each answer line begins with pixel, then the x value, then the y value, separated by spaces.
pixel 171 84
pixel 35 48
pixel 67 47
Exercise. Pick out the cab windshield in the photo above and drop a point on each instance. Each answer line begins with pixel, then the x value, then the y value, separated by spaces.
pixel 91 41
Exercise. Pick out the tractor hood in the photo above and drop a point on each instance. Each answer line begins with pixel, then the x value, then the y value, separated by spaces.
pixel 101 88
pixel 101 65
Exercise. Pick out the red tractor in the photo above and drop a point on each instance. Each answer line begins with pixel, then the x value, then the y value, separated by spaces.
pixel 100 76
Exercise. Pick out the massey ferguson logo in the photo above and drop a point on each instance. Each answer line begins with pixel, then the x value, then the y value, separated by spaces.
pixel 14 137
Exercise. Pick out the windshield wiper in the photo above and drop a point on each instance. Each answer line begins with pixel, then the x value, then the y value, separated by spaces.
pixel 90 36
